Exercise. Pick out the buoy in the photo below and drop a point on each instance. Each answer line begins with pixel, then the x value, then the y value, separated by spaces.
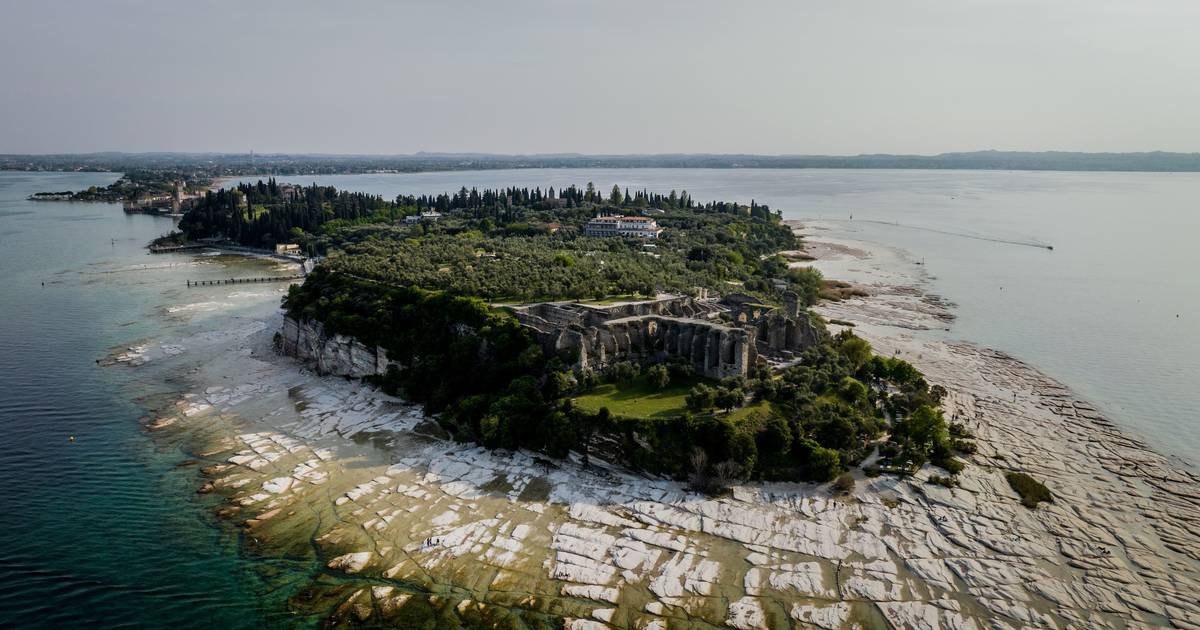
pixel 71 438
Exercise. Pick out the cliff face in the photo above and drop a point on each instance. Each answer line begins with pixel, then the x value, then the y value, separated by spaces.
pixel 337 354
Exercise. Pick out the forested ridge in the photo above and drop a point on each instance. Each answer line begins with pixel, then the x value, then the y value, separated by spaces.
pixel 213 165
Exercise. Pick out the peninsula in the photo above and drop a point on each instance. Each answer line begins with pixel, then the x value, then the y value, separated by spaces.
pixel 648 329
pixel 562 408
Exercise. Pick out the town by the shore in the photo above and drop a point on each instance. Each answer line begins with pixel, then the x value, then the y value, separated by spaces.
pixel 405 528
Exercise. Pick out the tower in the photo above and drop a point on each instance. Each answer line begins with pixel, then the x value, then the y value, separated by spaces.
pixel 791 304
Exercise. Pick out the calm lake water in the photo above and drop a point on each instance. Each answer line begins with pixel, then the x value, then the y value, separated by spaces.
pixel 1113 311
pixel 108 531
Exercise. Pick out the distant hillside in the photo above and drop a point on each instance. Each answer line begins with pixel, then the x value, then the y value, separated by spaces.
pixel 229 164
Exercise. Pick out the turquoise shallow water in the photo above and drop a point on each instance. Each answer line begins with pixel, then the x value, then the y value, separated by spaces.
pixel 106 531
pixel 1113 311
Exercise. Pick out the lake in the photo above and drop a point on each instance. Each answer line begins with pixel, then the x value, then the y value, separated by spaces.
pixel 109 530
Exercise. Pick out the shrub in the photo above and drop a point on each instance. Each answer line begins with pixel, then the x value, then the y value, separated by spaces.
pixel 587 380
pixel 729 397
pixel 776 436
pixel 923 436
pixel 1031 490
pixel 958 429
pixel 951 465
pixel 965 447
pixel 945 482
pixel 681 369
pixel 724 474
pixel 806 281
pixel 623 372
pixel 855 349
pixel 844 484
pixel 701 397
pixel 851 390
pixel 698 479
pixel 820 463
pixel 765 388
pixel 659 376
pixel 743 450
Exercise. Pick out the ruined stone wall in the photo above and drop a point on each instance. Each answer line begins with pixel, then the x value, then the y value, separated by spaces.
pixel 595 337
pixel 685 307
pixel 563 314
pixel 713 350
pixel 780 335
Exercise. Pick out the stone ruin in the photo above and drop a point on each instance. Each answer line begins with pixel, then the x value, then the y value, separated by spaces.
pixel 720 338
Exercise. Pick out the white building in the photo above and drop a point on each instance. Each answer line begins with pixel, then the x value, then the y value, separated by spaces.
pixel 640 227
pixel 428 215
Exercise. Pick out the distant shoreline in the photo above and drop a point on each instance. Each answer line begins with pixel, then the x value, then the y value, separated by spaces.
pixel 217 165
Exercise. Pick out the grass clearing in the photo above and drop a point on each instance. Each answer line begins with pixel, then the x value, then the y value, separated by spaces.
pixel 741 413
pixel 641 399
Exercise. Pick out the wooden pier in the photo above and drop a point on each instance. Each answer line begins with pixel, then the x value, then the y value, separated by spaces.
pixel 213 283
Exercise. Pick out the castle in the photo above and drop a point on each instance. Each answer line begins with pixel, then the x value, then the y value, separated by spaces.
pixel 719 338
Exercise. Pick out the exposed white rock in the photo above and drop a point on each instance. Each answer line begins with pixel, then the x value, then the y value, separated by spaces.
pixel 828 617
pixel 351 562
pixel 746 614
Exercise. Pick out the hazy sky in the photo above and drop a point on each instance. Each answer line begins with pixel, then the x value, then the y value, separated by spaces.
pixel 793 76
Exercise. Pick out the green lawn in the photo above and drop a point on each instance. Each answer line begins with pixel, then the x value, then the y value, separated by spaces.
pixel 637 400
pixel 741 413
pixel 643 400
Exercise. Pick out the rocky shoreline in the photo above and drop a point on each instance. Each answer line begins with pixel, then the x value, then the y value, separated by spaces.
pixel 405 528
